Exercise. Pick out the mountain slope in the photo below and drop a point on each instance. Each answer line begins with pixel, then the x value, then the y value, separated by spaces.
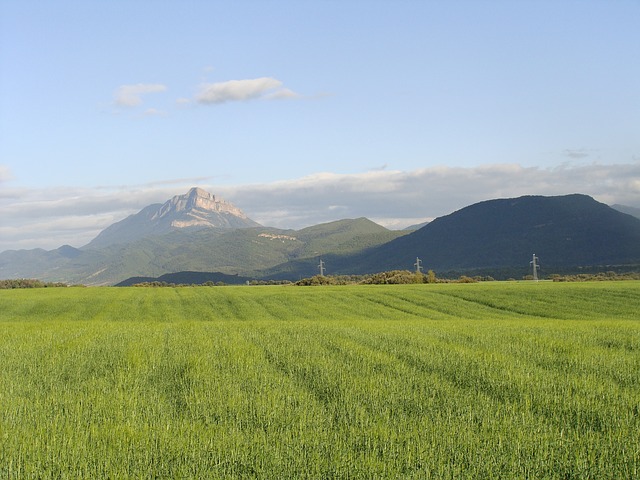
pixel 197 209
pixel 344 236
pixel 245 252
pixel 569 230
pixel 241 251
pixel 635 212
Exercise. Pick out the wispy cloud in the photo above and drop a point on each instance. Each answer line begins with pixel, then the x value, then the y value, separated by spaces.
pixel 5 174
pixel 154 112
pixel 263 88
pixel 578 153
pixel 241 90
pixel 281 94
pixel 131 95
pixel 392 198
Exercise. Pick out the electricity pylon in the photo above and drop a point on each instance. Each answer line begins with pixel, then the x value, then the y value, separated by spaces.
pixel 535 267
pixel 321 267
pixel 418 265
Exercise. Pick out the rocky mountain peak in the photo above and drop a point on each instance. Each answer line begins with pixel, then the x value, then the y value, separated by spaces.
pixel 197 200
pixel 194 210
pixel 196 193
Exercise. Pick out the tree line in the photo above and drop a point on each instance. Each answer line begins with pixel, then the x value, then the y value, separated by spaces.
pixel 28 283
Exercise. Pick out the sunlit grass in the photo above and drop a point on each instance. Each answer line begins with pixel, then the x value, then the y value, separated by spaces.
pixel 502 380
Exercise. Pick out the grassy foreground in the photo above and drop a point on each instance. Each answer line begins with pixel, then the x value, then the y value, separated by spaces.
pixel 500 380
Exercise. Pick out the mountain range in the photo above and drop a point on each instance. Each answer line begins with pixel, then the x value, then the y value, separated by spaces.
pixel 198 232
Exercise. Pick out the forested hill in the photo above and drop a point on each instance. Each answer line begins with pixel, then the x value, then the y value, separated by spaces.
pixel 231 251
pixel 570 230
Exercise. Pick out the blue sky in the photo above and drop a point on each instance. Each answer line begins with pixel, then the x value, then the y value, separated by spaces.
pixel 304 112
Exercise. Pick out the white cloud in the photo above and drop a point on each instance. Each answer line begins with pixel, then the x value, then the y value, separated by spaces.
pixel 131 95
pixel 49 218
pixel 396 199
pixel 241 90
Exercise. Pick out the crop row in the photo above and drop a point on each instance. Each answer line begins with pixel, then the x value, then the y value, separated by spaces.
pixel 429 381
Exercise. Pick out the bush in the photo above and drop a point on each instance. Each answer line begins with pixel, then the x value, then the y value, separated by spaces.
pixel 465 279
pixel 394 277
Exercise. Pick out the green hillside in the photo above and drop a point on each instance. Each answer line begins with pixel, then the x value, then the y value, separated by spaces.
pixel 243 251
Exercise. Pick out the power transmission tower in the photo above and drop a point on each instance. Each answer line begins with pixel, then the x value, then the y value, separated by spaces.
pixel 535 267
pixel 418 265
pixel 321 267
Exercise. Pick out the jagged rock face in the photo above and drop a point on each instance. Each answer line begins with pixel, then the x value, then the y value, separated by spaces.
pixel 198 200
pixel 196 209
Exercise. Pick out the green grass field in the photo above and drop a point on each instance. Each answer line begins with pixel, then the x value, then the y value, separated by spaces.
pixel 496 380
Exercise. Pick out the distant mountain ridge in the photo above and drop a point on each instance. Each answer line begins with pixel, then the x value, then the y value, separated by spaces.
pixel 198 232
pixel 635 212
pixel 195 210
pixel 186 277
pixel 568 230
